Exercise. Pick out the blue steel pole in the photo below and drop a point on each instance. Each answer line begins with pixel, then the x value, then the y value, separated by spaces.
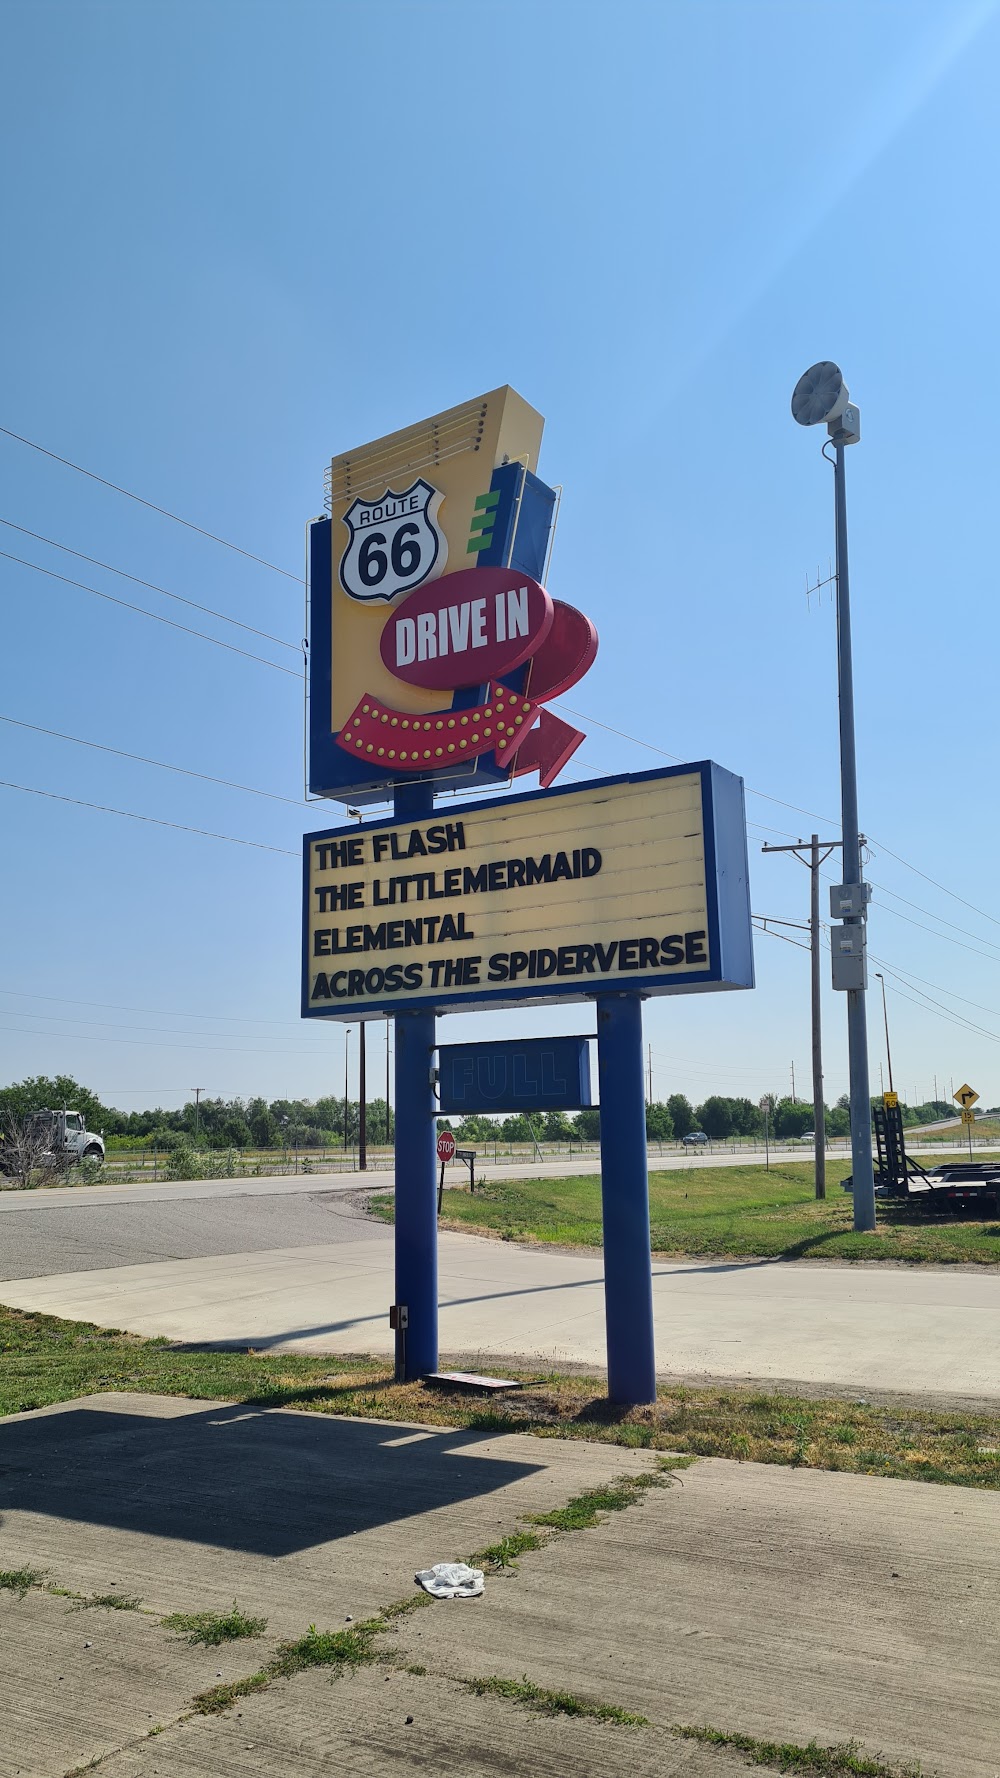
pixel 415 1156
pixel 857 1018
pixel 628 1280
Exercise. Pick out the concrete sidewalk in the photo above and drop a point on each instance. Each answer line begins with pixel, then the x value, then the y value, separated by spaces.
pixel 780 1604
pixel 860 1327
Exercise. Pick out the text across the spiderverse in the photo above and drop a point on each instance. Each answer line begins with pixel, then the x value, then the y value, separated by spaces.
pixel 547 897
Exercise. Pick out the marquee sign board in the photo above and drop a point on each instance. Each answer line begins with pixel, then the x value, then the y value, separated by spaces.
pixel 518 1074
pixel 426 602
pixel 634 883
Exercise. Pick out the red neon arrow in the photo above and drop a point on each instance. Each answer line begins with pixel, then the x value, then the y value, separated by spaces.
pixel 403 742
pixel 547 748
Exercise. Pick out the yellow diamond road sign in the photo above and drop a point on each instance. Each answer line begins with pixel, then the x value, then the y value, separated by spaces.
pixel 966 1096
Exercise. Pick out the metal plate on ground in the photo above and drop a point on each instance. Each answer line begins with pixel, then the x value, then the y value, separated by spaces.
pixel 469 1380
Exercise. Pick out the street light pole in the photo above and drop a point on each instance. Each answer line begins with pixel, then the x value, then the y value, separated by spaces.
pixel 347 1051
pixel 857 1017
pixel 362 1098
pixel 888 1053
pixel 821 396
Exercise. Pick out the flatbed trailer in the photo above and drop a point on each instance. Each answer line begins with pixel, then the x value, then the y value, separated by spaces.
pixel 948 1189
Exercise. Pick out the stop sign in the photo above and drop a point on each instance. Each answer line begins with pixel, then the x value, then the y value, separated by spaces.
pixel 446 1146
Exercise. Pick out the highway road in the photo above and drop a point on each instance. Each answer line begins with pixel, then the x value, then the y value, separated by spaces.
pixel 295 1264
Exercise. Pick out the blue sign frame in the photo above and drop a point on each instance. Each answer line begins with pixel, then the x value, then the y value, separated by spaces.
pixel 727 883
pixel 520 1074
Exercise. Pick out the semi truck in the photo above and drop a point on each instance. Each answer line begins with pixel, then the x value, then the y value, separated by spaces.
pixel 53 1139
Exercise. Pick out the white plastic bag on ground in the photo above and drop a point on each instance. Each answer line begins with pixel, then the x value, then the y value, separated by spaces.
pixel 451 1580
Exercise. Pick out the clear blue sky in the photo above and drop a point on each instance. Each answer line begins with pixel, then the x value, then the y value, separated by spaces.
pixel 239 237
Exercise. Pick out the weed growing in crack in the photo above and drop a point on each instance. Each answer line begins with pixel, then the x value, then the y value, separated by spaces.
pixel 20 1580
pixel 504 1554
pixel 352 1647
pixel 847 1760
pixel 521 1691
pixel 581 1513
pixel 213 1627
pixel 103 1602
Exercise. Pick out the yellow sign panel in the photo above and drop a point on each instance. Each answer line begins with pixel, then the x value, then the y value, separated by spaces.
pixel 430 484
pixel 636 883
pixel 966 1096
pixel 890 1101
pixel 968 1117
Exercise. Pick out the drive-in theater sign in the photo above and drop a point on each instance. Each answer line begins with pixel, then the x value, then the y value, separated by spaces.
pixel 435 651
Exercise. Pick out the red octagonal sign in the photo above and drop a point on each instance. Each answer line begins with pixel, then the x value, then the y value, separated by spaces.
pixel 446 1146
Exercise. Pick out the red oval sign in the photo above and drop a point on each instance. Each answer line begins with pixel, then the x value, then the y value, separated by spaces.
pixel 466 628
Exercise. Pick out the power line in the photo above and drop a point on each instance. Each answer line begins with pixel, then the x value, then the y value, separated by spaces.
pixel 944 936
pixel 933 881
pixel 147 1043
pixel 140 759
pixel 54 1018
pixel 294 647
pixel 581 715
pixel 54 796
pixel 910 978
pixel 155 615
pixel 157 1011
pixel 930 913
pixel 298 579
pixel 162 510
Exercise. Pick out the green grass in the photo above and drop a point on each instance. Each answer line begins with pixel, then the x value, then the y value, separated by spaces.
pixel 505 1553
pixel 101 1601
pixel 45 1360
pixel 317 1648
pixel 956 1132
pixel 583 1512
pixel 20 1580
pixel 847 1760
pixel 733 1212
pixel 521 1691
pixel 213 1627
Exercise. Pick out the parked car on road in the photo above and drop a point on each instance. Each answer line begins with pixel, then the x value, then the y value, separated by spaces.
pixel 694 1139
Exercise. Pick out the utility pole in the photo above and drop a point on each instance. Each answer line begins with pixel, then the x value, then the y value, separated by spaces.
pixel 388 1132
pixel 362 1108
pixel 814 857
pixel 649 1057
pixel 197 1091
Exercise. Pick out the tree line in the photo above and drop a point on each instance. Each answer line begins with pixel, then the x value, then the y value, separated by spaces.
pixel 332 1122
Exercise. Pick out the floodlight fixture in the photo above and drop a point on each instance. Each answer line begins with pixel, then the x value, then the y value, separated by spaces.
pixel 821 395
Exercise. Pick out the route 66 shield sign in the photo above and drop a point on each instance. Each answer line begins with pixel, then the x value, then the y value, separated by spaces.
pixel 395 543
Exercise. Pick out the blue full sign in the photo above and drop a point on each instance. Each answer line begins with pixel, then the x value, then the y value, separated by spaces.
pixel 523 1074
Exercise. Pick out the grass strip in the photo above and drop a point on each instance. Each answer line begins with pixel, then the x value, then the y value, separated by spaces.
pixel 505 1553
pixel 847 1760
pixel 20 1580
pixel 44 1359
pixel 733 1212
pixel 100 1601
pixel 352 1647
pixel 535 1697
pixel 213 1627
pixel 584 1510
